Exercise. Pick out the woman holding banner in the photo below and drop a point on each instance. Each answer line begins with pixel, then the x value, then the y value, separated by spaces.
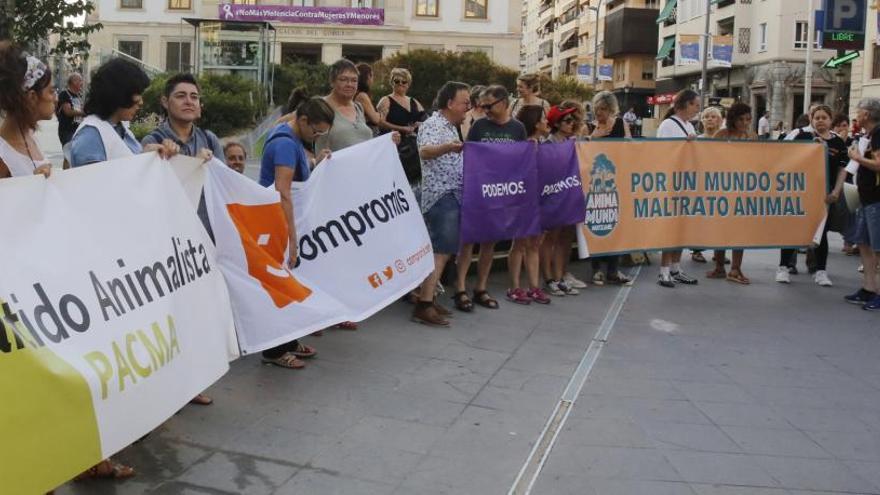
pixel 821 118
pixel 566 121
pixel 739 127
pixel 27 96
pixel 677 125
pixel 608 124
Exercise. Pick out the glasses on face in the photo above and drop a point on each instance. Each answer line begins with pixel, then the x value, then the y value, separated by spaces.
pixel 488 106
pixel 317 132
pixel 568 120
pixel 399 82
pixel 347 80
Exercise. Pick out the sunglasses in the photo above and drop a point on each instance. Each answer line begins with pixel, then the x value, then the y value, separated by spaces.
pixel 568 120
pixel 488 106
pixel 399 82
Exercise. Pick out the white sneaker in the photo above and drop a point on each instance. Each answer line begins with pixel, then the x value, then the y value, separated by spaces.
pixel 554 289
pixel 861 268
pixel 782 275
pixel 569 291
pixel 572 281
pixel 821 278
pixel 599 278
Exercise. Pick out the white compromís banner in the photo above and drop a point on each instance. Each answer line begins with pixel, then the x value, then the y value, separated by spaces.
pixel 113 315
pixel 362 244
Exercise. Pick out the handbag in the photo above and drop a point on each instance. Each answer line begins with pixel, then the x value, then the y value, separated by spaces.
pixel 408 151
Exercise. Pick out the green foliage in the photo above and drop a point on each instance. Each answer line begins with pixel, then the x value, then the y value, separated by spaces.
pixel 314 77
pixel 230 103
pixel 432 69
pixel 564 88
pixel 32 22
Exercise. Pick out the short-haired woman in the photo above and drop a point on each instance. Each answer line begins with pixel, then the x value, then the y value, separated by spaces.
pixel 608 125
pixel 403 114
pixel 528 86
pixel 739 127
pixel 115 96
pixel 711 118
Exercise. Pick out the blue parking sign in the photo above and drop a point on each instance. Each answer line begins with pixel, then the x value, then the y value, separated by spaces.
pixel 843 25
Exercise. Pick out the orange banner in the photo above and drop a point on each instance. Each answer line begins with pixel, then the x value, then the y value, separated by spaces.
pixel 665 194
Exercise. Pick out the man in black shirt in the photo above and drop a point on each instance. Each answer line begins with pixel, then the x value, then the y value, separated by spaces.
pixel 70 110
pixel 867 229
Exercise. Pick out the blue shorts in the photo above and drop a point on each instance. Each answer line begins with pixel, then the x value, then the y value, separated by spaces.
pixel 442 221
pixel 867 227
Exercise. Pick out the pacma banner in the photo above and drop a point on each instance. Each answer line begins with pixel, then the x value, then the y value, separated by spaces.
pixel 657 194
pixel 113 315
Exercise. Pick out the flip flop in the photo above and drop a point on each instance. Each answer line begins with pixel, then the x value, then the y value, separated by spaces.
pixel 286 360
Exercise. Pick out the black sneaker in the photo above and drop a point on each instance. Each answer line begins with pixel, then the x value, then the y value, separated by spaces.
pixel 860 297
pixel 683 278
pixel 666 281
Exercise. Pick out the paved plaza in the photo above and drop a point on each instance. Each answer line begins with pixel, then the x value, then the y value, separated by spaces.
pixel 717 389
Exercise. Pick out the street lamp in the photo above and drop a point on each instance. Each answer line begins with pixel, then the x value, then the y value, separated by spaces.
pixel 596 42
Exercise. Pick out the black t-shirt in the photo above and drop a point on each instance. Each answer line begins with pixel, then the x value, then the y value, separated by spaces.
pixel 837 153
pixel 486 131
pixel 67 125
pixel 867 180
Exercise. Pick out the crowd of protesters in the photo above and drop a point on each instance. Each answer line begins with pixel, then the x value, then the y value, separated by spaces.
pixel 94 128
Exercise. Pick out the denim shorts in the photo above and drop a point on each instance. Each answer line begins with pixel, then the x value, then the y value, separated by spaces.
pixel 867 227
pixel 442 221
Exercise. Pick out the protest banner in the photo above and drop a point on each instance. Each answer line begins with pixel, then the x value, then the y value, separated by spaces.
pixel 113 315
pixel 722 51
pixel 362 244
pixel 562 196
pixel 688 49
pixel 501 196
pixel 666 194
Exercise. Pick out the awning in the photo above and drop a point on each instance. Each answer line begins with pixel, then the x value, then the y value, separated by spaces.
pixel 667 11
pixel 666 48
pixel 567 36
pixel 547 27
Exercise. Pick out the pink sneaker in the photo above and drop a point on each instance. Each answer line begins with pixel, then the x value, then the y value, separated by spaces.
pixel 518 296
pixel 538 295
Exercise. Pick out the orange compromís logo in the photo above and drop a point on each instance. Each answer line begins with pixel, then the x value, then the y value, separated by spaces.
pixel 264 237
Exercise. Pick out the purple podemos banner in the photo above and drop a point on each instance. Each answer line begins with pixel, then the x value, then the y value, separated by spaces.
pixel 501 194
pixel 302 15
pixel 562 195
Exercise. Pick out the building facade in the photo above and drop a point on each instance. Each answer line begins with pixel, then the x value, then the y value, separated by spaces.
pixel 865 80
pixel 162 33
pixel 770 40
pixel 615 39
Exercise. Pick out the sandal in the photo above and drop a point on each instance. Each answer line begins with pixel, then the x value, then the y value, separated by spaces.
pixel 737 276
pixel 483 298
pixel 347 325
pixel 106 470
pixel 463 302
pixel 716 273
pixel 201 400
pixel 286 360
pixel 698 257
pixel 304 351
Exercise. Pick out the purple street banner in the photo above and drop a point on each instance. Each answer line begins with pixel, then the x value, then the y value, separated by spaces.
pixel 559 176
pixel 501 196
pixel 302 15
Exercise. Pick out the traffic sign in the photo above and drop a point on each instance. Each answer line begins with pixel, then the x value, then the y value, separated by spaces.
pixel 835 62
pixel 844 24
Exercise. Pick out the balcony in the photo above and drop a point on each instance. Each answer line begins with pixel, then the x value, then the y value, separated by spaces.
pixel 631 31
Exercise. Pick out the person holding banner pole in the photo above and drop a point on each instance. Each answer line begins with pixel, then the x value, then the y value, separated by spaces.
pixel 677 125
pixel 442 171
pixel 285 161
pixel 739 127
pixel 114 100
pixel 565 120
pixel 608 125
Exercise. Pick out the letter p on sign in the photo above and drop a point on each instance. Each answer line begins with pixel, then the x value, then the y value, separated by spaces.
pixel 845 15
pixel 844 10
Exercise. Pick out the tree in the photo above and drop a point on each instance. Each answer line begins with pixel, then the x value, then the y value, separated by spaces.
pixel 33 21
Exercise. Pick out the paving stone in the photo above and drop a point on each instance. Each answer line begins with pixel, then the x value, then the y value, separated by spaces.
pixel 238 474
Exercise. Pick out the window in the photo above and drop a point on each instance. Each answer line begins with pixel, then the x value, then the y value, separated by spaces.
pixel 875 62
pixel 177 56
pixel 302 3
pixel 363 4
pixel 244 2
pixel 134 49
pixel 800 36
pixel 131 4
pixel 648 70
pixel 619 70
pixel 476 49
pixel 179 4
pixel 762 37
pixel 726 27
pixel 476 9
pixel 745 39
pixel 652 4
pixel 426 8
